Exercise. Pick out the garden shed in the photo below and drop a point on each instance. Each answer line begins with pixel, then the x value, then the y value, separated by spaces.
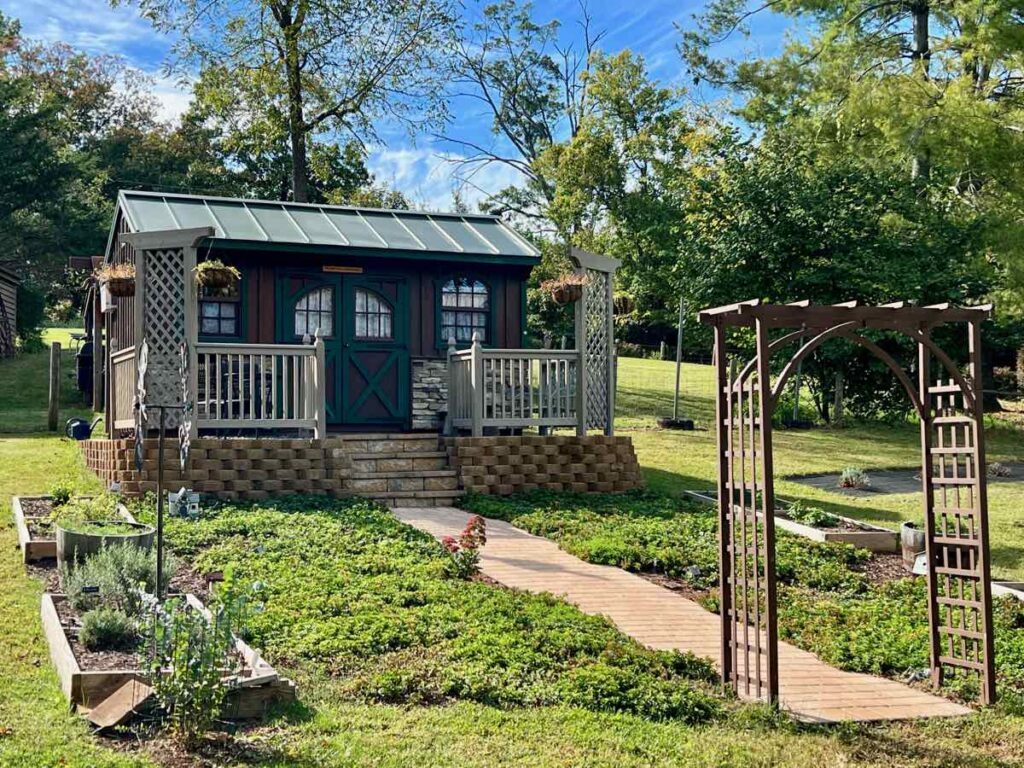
pixel 375 330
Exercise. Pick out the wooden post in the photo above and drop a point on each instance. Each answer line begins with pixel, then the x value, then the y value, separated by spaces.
pixel 98 353
pixel 924 378
pixel 320 387
pixel 54 403
pixel 679 359
pixel 448 428
pixel 476 373
pixel 765 407
pixel 723 379
pixel 988 675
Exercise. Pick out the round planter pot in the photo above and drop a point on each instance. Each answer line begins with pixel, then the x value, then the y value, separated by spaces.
pixel 911 544
pixel 121 286
pixel 75 546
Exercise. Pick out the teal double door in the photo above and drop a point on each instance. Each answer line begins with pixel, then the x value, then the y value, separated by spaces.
pixel 364 322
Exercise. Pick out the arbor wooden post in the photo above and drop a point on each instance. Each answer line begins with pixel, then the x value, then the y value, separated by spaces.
pixel 476 376
pixel 54 402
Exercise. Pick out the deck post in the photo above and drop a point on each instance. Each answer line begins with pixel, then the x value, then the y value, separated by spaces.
pixel 476 373
pixel 448 429
pixel 320 387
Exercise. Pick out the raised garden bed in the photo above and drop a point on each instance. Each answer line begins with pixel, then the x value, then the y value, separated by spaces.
pixel 87 678
pixel 846 530
pixel 36 539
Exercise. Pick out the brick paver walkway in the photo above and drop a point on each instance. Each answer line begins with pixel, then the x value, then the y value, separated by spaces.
pixel 658 618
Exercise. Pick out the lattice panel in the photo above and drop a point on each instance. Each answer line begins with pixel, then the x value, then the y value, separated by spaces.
pixel 961 603
pixel 597 310
pixel 747 578
pixel 164 303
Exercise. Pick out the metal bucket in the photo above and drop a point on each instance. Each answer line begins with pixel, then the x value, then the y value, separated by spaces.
pixel 911 544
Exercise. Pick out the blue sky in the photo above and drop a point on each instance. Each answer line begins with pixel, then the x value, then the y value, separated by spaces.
pixel 422 170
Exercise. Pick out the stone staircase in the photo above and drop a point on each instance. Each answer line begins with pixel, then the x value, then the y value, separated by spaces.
pixel 398 470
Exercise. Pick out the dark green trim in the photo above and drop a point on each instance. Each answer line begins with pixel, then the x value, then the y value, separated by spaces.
pixel 523 333
pixel 243 316
pixel 442 344
pixel 369 253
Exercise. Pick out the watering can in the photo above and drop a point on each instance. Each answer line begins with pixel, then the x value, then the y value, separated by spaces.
pixel 80 429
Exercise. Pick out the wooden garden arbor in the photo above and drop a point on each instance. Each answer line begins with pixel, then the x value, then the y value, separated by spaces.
pixel 948 402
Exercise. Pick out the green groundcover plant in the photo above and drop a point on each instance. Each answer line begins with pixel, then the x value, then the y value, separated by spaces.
pixel 350 591
pixel 826 605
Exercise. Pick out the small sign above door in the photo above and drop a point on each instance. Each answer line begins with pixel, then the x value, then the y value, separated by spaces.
pixel 344 270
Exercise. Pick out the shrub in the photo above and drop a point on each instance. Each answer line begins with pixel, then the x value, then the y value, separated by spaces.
pixel 107 629
pixel 113 578
pixel 185 656
pixel 854 477
pixel 815 517
pixel 77 511
pixel 30 318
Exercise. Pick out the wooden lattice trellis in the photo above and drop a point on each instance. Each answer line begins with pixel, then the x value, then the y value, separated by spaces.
pixel 948 402
pixel 595 338
pixel 165 309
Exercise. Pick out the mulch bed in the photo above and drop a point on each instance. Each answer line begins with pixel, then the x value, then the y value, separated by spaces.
pixel 91 660
pixel 841 526
pixel 36 507
pixel 884 567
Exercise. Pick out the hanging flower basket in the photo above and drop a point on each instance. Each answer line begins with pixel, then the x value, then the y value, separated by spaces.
pixel 217 277
pixel 565 289
pixel 118 279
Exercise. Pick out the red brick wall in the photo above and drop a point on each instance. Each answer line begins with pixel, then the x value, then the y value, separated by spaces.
pixel 504 465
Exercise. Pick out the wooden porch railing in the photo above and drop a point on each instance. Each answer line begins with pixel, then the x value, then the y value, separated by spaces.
pixel 512 388
pixel 267 386
pixel 123 384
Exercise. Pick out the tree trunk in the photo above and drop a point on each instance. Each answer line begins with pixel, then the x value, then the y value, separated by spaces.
pixel 921 164
pixel 296 119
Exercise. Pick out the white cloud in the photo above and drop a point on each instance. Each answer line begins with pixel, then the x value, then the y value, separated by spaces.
pixel 429 177
pixel 173 96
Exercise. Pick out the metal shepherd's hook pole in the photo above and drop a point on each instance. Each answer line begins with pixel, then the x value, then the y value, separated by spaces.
pixel 160 506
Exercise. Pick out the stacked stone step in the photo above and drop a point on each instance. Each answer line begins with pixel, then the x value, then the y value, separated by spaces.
pixel 394 469
pixel 397 469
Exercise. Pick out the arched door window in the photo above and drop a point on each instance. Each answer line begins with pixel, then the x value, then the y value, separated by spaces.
pixel 374 316
pixel 315 310
pixel 465 309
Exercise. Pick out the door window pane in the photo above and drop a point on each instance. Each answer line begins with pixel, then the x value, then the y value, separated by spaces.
pixel 314 310
pixel 373 316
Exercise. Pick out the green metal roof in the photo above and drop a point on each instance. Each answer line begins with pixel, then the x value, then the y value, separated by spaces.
pixel 333 227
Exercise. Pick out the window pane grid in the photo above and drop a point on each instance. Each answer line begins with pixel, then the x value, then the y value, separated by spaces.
pixel 373 316
pixel 218 318
pixel 465 308
pixel 313 311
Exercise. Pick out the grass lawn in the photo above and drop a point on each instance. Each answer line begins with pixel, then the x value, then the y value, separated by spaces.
pixel 340 720
pixel 675 461
pixel 24 383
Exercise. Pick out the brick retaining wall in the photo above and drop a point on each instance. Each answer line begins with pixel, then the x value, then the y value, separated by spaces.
pixel 391 466
pixel 505 465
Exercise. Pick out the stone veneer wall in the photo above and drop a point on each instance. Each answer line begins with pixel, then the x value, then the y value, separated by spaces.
pixel 429 392
pixel 505 465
